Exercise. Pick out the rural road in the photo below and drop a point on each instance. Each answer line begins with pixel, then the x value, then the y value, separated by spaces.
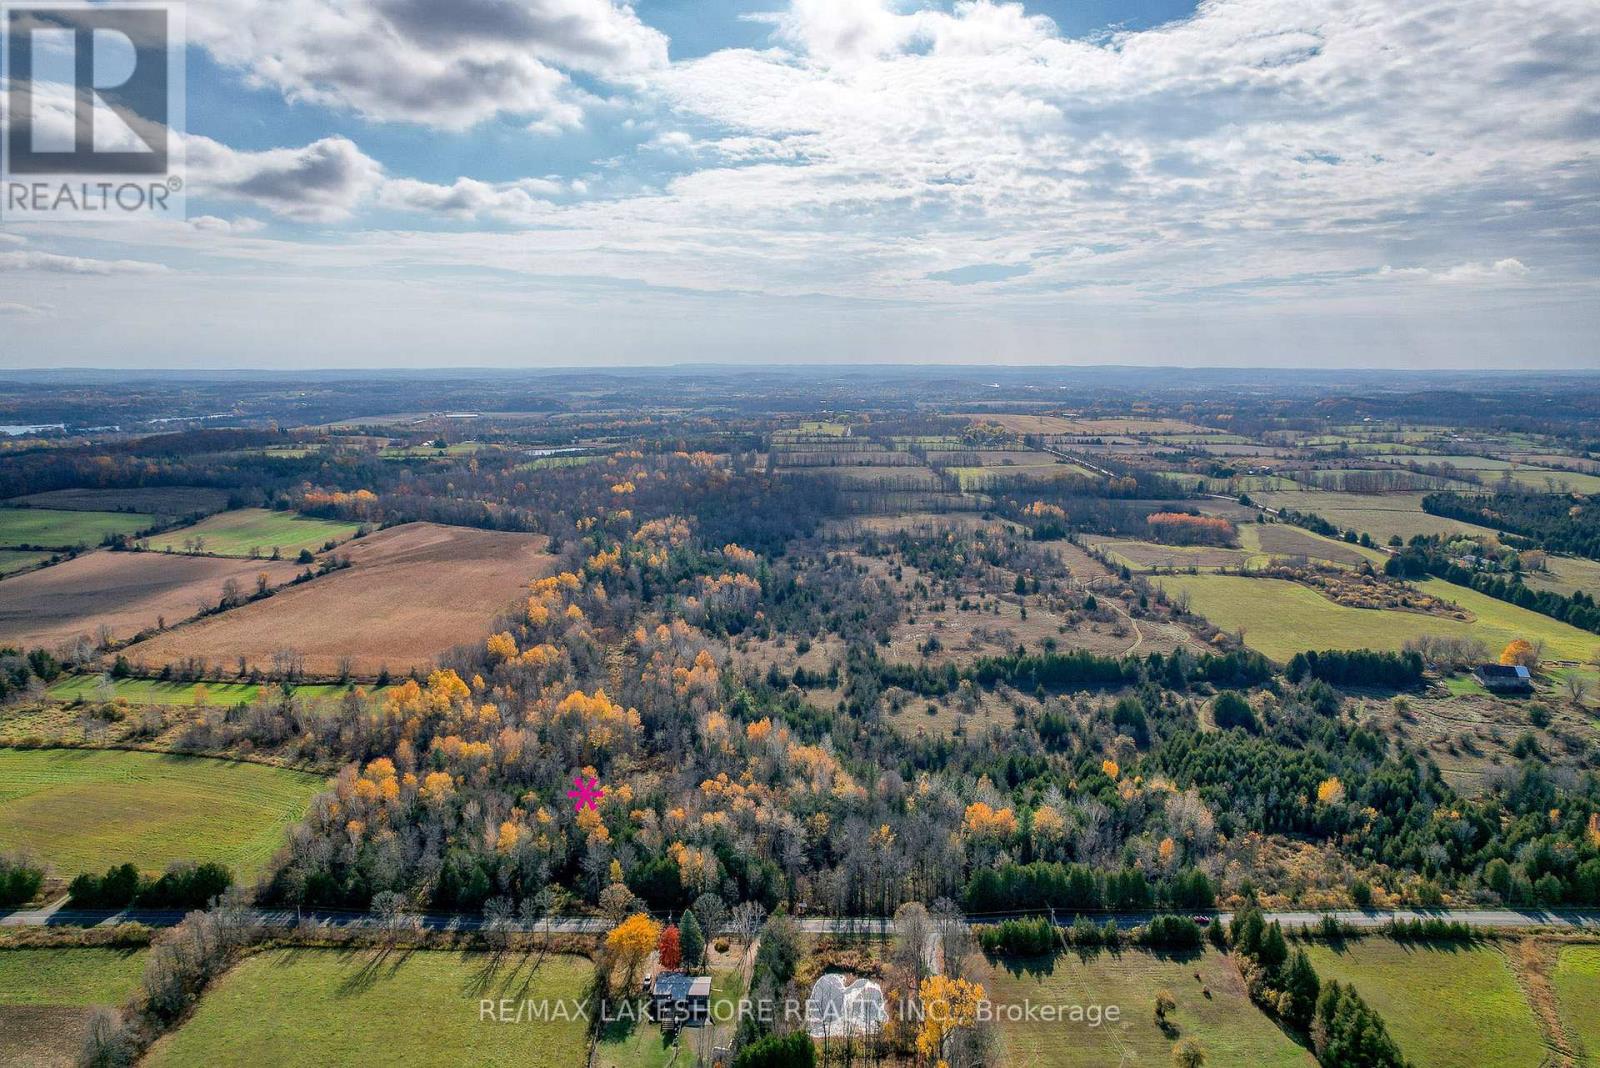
pixel 1499 919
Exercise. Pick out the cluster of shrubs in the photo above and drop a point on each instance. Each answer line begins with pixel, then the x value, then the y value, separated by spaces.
pixel 1430 930
pixel 793 1050
pixel 1029 937
pixel 19 669
pixel 1171 932
pixel 1037 936
pixel 182 886
pixel 20 880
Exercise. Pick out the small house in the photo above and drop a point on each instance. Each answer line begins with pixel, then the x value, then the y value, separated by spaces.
pixel 678 999
pixel 1504 678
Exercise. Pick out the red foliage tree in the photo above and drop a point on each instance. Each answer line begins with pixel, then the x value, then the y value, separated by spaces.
pixel 670 952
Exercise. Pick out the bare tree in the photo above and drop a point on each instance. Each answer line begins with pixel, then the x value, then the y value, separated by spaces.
pixel 746 920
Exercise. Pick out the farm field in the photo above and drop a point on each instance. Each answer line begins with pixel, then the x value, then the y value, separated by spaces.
pixel 156 692
pixel 53 528
pixel 47 996
pixel 1280 540
pixel 1381 515
pixel 14 560
pixel 1490 471
pixel 153 500
pixel 1039 471
pixel 84 810
pixel 1443 1006
pixel 1301 618
pixel 258 531
pixel 317 1007
pixel 411 593
pixel 1260 544
pixel 1144 555
pixel 1567 575
pixel 1230 1029
pixel 1577 982
pixel 79 976
pixel 123 592
pixel 424 452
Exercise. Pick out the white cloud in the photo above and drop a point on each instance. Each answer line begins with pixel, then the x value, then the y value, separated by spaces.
pixel 446 63
pixel 1509 269
pixel 320 182
pixel 51 263
pixel 10 307
pixel 214 225
pixel 467 198
pixel 1236 177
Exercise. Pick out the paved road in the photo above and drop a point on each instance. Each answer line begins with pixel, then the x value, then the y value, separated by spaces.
pixel 1501 919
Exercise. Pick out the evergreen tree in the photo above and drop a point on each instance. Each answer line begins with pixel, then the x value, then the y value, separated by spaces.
pixel 692 941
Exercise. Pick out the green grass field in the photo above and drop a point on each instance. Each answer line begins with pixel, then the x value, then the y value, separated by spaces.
pixel 63 529
pixel 978 477
pixel 315 1007
pixel 84 810
pixel 1577 983
pixel 1567 575
pixel 156 692
pixel 48 995
pixel 12 560
pixel 1443 1006
pixel 238 533
pixel 427 452
pixel 1281 618
pixel 1381 515
pixel 1231 1030
pixel 69 976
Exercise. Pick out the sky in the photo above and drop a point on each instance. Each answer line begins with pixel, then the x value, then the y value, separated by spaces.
pixel 455 183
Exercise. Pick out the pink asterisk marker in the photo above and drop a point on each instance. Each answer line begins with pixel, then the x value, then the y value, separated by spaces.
pixel 587 794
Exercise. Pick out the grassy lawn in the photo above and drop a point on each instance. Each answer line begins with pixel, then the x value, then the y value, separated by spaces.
pixel 156 692
pixel 84 810
pixel 1301 618
pixel 642 1044
pixel 316 1007
pixel 63 529
pixel 1577 983
pixel 1464 685
pixel 69 976
pixel 238 533
pixel 1444 1006
pixel 1231 1030
pixel 14 560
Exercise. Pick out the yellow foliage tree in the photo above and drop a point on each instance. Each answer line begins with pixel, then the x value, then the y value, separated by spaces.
pixel 437 788
pixel 1520 653
pixel 1330 791
pixel 983 820
pixel 1111 768
pixel 630 942
pixel 1168 851
pixel 948 1005
pixel 1048 824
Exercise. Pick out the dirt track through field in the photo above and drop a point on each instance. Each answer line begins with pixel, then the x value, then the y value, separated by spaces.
pixel 412 593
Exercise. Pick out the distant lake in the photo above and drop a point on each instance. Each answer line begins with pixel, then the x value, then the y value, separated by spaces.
pixel 18 431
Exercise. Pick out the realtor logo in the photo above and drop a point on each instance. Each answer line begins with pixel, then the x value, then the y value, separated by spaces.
pixel 94 108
